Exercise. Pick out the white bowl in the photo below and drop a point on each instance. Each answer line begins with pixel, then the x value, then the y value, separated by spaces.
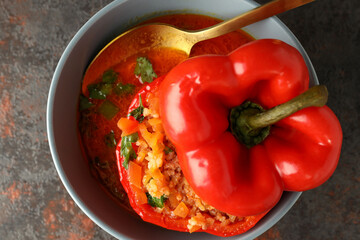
pixel 63 98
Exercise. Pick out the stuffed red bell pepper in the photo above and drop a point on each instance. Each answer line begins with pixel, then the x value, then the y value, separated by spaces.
pixel 197 152
pixel 151 175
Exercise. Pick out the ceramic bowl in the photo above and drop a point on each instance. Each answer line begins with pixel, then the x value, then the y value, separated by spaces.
pixel 63 98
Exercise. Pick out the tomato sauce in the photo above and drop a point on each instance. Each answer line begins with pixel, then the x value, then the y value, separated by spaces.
pixel 96 130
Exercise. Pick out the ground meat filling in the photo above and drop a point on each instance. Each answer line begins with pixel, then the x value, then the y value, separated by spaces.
pixel 163 178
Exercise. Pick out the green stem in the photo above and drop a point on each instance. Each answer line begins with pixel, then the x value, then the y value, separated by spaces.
pixel 250 123
pixel 314 97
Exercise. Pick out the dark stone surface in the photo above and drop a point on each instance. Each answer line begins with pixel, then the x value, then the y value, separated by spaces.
pixel 33 201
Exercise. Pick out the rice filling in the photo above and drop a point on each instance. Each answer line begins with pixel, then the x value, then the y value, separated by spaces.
pixel 163 180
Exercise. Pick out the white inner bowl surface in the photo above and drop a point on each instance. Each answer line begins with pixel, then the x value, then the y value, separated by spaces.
pixel 73 169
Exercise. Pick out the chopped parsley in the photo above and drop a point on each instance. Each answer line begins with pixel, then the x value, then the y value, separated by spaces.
pixel 99 90
pixel 109 76
pixel 102 89
pixel 100 164
pixel 138 113
pixel 110 140
pixel 127 151
pixel 84 103
pixel 108 109
pixel 156 202
pixel 168 150
pixel 144 69
pixel 121 88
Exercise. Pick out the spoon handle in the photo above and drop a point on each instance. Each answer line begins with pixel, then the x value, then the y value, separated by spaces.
pixel 257 14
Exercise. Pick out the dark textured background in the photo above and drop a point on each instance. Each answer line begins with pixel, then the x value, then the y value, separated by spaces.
pixel 33 201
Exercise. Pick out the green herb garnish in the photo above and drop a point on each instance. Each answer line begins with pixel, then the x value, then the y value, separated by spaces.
pixel 84 103
pixel 145 69
pixel 108 109
pixel 110 140
pixel 109 76
pixel 100 164
pixel 99 90
pixel 168 150
pixel 156 202
pixel 138 112
pixel 126 150
pixel 102 89
pixel 121 88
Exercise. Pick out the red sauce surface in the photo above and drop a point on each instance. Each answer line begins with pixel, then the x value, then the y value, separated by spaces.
pixel 93 127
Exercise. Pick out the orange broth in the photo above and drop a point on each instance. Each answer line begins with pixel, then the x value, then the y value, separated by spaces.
pixel 94 127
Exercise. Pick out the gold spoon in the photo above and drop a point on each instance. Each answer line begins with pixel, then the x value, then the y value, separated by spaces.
pixel 149 36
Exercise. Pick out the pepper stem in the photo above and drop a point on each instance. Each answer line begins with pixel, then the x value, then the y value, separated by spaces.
pixel 316 96
pixel 250 123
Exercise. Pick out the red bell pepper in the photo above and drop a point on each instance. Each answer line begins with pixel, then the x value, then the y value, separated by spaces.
pixel 148 213
pixel 197 100
pixel 298 153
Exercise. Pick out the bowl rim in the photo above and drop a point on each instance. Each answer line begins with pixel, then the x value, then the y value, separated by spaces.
pixel 271 220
